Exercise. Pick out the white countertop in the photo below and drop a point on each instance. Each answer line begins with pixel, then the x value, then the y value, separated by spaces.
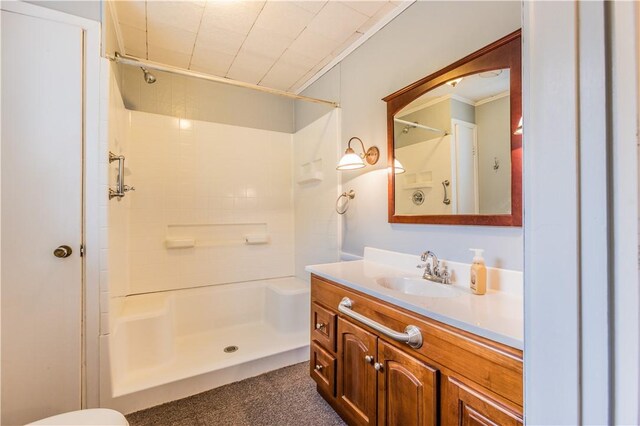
pixel 497 315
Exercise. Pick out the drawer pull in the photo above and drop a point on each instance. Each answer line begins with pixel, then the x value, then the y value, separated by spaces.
pixel 377 366
pixel 368 359
pixel 318 367
pixel 411 335
pixel 320 326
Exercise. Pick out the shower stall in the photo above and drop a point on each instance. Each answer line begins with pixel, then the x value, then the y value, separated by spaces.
pixel 209 238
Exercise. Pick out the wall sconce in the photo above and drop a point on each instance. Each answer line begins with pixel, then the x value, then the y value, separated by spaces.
pixel 351 161
pixel 519 128
pixel 398 168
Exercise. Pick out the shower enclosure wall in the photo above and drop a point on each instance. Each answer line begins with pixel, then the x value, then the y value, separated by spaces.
pixel 206 256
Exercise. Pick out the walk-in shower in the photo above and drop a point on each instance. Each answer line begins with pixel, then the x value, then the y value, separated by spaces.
pixel 209 251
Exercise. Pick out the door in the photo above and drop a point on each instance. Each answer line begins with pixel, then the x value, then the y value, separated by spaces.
pixel 41 163
pixel 407 389
pixel 465 161
pixel 467 406
pixel 356 374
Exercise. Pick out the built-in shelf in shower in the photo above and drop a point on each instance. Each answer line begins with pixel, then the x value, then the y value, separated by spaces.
pixel 422 179
pixel 311 172
pixel 180 236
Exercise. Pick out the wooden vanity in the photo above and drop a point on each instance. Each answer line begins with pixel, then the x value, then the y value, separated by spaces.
pixel 453 378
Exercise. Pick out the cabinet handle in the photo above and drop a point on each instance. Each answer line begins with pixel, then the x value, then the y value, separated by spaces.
pixel 411 335
pixel 318 367
pixel 320 326
pixel 368 359
pixel 377 366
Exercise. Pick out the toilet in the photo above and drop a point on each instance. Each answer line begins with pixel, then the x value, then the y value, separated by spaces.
pixel 90 417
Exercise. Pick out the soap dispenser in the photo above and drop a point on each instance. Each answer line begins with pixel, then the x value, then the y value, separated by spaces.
pixel 478 275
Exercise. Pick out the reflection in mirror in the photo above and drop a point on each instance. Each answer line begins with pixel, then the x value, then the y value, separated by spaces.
pixel 454 145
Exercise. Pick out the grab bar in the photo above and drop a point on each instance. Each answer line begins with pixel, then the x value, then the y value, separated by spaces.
pixel 411 335
pixel 121 188
pixel 446 200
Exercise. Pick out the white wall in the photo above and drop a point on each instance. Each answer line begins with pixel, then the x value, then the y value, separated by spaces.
pixel 90 9
pixel 316 221
pixel 214 183
pixel 429 160
pixel 423 39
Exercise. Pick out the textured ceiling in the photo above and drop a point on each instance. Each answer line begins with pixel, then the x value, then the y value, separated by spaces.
pixel 277 44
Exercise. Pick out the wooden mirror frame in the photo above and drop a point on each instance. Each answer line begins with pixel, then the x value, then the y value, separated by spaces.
pixel 504 53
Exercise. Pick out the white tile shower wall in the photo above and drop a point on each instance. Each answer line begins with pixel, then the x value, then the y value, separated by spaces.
pixel 114 277
pixel 212 183
pixel 316 221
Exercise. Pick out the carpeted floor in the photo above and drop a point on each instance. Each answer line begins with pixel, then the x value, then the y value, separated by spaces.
pixel 284 397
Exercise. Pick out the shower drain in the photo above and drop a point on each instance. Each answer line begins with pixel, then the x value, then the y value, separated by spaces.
pixel 230 349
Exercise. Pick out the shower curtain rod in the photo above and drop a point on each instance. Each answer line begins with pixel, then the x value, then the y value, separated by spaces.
pixel 411 123
pixel 131 60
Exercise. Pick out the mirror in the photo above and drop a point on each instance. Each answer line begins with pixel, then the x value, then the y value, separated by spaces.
pixel 454 148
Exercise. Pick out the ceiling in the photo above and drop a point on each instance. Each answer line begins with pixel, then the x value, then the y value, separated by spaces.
pixel 277 44
pixel 474 88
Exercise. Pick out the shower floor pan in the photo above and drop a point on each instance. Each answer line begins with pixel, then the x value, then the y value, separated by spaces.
pixel 168 337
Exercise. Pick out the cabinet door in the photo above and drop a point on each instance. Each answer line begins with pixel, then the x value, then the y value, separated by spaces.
pixel 467 406
pixel 407 389
pixel 356 375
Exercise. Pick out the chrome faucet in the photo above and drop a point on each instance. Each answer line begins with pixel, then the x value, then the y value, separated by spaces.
pixel 432 270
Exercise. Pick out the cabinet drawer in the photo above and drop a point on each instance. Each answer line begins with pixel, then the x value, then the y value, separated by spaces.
pixel 323 369
pixel 323 326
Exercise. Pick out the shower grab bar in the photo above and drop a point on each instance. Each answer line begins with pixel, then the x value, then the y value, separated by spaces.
pixel 446 199
pixel 411 336
pixel 121 188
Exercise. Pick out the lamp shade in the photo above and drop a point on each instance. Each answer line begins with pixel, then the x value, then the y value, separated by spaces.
pixel 350 161
pixel 398 167
pixel 519 128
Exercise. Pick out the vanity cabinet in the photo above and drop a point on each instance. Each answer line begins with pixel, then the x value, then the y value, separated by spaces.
pixel 453 378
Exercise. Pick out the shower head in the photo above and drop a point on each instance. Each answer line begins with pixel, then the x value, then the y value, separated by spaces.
pixel 148 77
pixel 408 127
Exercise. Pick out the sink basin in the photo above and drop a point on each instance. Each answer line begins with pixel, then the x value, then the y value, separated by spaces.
pixel 417 287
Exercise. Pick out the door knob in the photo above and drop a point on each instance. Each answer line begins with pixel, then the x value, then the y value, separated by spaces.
pixel 62 252
pixel 368 359
pixel 377 366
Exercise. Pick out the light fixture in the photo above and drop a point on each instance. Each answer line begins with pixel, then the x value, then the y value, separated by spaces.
pixel 351 161
pixel 454 82
pixel 519 128
pixel 398 168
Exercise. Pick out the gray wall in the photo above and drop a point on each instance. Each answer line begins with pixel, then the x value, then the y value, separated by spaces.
pixel 463 111
pixel 90 9
pixel 437 116
pixel 425 38
pixel 494 141
pixel 195 99
pixel 328 88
